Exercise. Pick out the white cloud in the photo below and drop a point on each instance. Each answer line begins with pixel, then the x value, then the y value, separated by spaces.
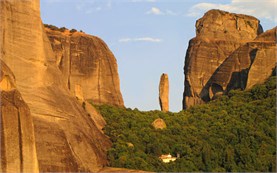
pixel 157 11
pixel 260 9
pixel 148 39
pixel 141 39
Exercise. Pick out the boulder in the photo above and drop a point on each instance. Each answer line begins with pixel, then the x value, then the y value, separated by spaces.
pixel 159 124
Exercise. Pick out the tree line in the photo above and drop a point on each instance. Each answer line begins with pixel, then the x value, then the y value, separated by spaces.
pixel 234 133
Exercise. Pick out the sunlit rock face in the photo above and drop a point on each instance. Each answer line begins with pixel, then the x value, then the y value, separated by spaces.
pixel 66 138
pixel 247 66
pixel 218 35
pixel 18 149
pixel 89 67
pixel 164 93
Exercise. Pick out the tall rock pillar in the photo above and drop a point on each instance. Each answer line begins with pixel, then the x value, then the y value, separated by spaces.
pixel 164 93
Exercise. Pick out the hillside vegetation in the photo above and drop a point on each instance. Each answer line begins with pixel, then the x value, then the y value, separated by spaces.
pixel 236 132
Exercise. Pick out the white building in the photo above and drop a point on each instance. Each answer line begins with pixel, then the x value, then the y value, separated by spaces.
pixel 167 158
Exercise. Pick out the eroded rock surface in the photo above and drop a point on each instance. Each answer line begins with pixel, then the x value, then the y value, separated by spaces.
pixel 218 35
pixel 18 149
pixel 164 93
pixel 67 139
pixel 88 66
pixel 249 65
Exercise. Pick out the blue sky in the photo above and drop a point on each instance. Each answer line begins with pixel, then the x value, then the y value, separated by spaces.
pixel 148 37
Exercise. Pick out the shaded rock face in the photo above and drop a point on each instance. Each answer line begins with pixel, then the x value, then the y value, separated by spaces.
pixel 18 149
pixel 164 93
pixel 159 124
pixel 249 65
pixel 67 139
pixel 218 35
pixel 89 67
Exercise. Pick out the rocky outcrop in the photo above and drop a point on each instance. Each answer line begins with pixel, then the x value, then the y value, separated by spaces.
pixel 89 67
pixel 218 35
pixel 164 93
pixel 67 139
pixel 159 124
pixel 249 65
pixel 94 115
pixel 18 149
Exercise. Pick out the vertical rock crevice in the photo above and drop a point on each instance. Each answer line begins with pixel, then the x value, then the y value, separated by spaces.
pixel 20 142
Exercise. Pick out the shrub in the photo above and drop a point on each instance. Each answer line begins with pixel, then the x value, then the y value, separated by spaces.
pixel 52 27
pixel 73 30
pixel 62 29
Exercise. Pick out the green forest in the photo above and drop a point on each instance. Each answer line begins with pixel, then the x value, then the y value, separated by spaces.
pixel 235 133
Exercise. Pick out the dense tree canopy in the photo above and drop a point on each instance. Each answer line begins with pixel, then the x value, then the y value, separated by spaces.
pixel 236 132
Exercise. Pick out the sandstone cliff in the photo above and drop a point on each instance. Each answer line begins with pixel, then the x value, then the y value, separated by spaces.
pixel 88 66
pixel 249 65
pixel 218 34
pixel 67 139
pixel 18 149
pixel 164 93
